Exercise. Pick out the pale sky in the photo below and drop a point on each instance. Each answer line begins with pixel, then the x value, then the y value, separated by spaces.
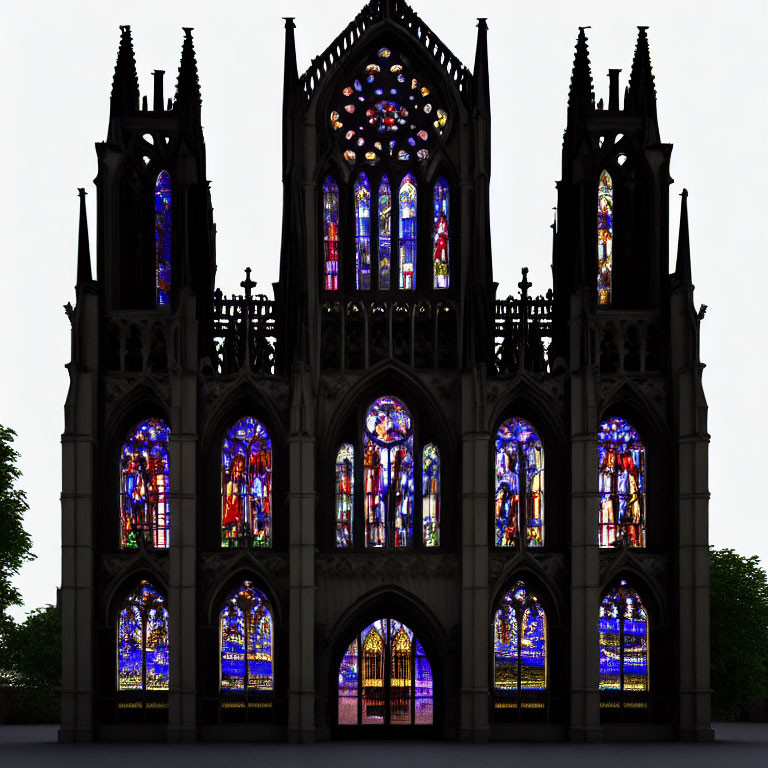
pixel 57 62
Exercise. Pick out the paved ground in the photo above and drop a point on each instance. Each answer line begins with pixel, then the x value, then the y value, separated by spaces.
pixel 736 745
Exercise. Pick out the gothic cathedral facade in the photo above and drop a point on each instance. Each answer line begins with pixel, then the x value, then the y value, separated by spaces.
pixel 385 502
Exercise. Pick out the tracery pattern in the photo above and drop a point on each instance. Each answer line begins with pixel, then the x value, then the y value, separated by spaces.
pixel 386 112
pixel 363 232
pixel 623 641
pixel 345 494
pixel 331 233
pixel 144 486
pixel 142 641
pixel 519 650
pixel 440 236
pixel 430 506
pixel 246 485
pixel 385 678
pixel 622 484
pixel 519 475
pixel 385 233
pixel 246 632
pixel 163 237
pixel 605 239
pixel 407 197
pixel 388 474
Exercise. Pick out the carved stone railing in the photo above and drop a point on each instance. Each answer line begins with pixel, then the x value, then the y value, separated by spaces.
pixel 630 342
pixel 375 11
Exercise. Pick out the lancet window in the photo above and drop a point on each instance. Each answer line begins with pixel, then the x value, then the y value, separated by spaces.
pixel 144 486
pixel 385 233
pixel 623 645
pixel 430 505
pixel 163 237
pixel 519 651
pixel 246 485
pixel 519 495
pixel 605 239
pixel 142 641
pixel 385 678
pixel 622 484
pixel 407 200
pixel 345 494
pixel 363 232
pixel 331 233
pixel 440 236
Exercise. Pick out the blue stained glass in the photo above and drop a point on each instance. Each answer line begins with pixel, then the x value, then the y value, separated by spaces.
pixel 605 239
pixel 144 486
pixel 430 483
pixel 385 233
pixel 363 232
pixel 440 235
pixel 345 489
pixel 163 236
pixel 407 198
pixel 331 232
pixel 348 683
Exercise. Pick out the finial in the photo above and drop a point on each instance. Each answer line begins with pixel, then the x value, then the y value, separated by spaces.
pixel 84 274
pixel 248 284
pixel 289 22
pixel 524 285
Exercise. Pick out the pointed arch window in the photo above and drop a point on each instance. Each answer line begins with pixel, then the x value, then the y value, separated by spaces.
pixel 142 641
pixel 519 480
pixel 430 505
pixel 385 233
pixel 440 236
pixel 331 233
pixel 144 486
pixel 385 678
pixel 605 239
pixel 345 494
pixel 363 232
pixel 407 231
pixel 246 485
pixel 519 651
pixel 621 460
pixel 246 630
pixel 623 648
pixel 388 474
pixel 163 237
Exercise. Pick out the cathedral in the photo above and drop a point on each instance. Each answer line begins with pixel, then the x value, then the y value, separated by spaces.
pixel 384 502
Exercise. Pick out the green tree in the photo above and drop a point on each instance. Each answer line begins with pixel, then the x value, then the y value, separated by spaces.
pixel 739 633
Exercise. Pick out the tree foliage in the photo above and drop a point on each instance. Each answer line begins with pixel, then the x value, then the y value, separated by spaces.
pixel 739 633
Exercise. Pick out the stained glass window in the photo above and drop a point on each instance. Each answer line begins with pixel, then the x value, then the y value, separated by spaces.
pixel 385 233
pixel 519 475
pixel 246 634
pixel 520 651
pixel 622 484
pixel 623 641
pixel 385 678
pixel 604 239
pixel 331 233
pixel 430 506
pixel 440 259
pixel 246 486
pixel 363 232
pixel 407 197
pixel 142 641
pixel 388 474
pixel 345 494
pixel 144 486
pixel 163 237
pixel 386 112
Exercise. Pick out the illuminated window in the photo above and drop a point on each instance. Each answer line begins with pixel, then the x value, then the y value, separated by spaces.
pixel 163 237
pixel 430 506
pixel 345 494
pixel 385 233
pixel 440 257
pixel 605 239
pixel 622 484
pixel 331 233
pixel 519 475
pixel 385 678
pixel 363 232
pixel 144 486
pixel 407 198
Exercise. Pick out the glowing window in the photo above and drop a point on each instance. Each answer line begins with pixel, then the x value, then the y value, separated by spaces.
pixel 430 505
pixel 604 239
pixel 385 678
pixel 144 486
pixel 331 233
pixel 440 258
pixel 363 232
pixel 519 475
pixel 163 237
pixel 622 484
pixel 142 641
pixel 407 198
pixel 385 233
pixel 345 494
pixel 246 486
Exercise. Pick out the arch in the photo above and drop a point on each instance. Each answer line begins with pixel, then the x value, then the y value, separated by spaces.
pixel 385 233
pixel 430 499
pixel 407 202
pixel 163 238
pixel 519 462
pixel 142 641
pixel 362 233
pixel 144 486
pixel 441 236
pixel 622 481
pixel 605 239
pixel 246 485
pixel 345 495
pixel 331 234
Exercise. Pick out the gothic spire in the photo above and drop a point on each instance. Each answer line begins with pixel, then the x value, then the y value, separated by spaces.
pixel 641 94
pixel 482 90
pixel 581 97
pixel 683 265
pixel 83 246
pixel 125 84
pixel 188 84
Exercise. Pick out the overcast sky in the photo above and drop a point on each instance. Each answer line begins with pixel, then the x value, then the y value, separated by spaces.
pixel 57 61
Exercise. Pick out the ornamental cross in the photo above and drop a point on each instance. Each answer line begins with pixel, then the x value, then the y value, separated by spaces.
pixel 248 284
pixel 524 285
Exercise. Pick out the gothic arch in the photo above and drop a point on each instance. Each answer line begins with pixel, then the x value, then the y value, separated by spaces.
pixel 141 401
pixel 629 402
pixel 629 567
pixel 523 567
pixel 244 567
pixel 141 569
